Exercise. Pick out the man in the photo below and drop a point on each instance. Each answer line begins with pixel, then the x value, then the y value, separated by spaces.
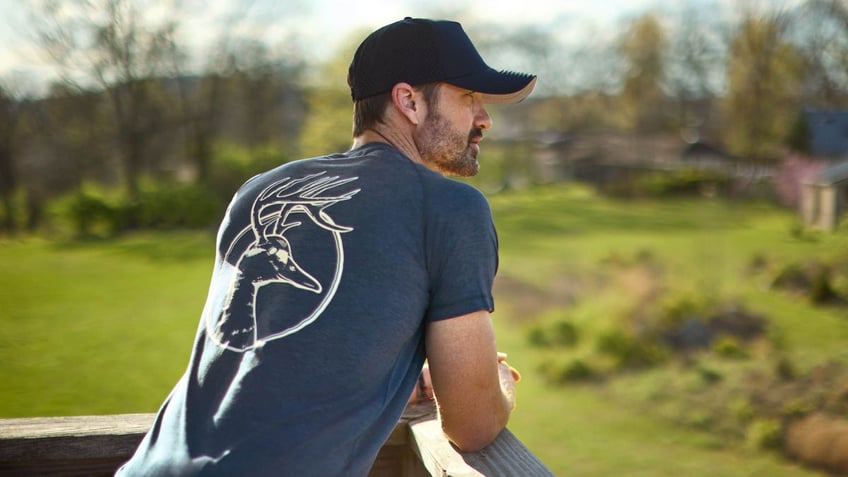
pixel 337 276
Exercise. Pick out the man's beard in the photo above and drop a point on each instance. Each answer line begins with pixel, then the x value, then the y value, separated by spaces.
pixel 447 150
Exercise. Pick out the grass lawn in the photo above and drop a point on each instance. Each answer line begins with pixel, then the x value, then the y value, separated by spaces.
pixel 97 328
pixel 565 238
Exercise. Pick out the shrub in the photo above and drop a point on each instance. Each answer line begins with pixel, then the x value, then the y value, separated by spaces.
pixel 764 434
pixel 728 346
pixel 796 407
pixel 163 205
pixel 812 280
pixel 709 375
pixel 558 334
pixel 742 409
pixel 630 352
pixel 785 369
pixel 676 310
pixel 576 370
pixel 90 211
pixel 94 211
pixel 569 371
pixel 232 165
pixel 536 336
pixel 820 289
pixel 688 182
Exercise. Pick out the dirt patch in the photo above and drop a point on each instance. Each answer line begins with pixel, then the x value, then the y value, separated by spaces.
pixel 812 407
pixel 813 280
pixel 823 389
pixel 731 320
pixel 819 440
pixel 525 301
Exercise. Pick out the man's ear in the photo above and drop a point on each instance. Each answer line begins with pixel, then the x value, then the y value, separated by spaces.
pixel 405 101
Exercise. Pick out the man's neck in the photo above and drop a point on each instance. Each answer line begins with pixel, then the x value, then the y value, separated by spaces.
pixel 402 142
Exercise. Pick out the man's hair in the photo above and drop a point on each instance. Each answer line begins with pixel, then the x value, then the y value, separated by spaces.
pixel 369 112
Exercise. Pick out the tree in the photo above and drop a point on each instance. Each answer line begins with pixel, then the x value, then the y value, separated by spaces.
pixel 693 71
pixel 822 35
pixel 70 125
pixel 200 104
pixel 10 107
pixel 259 82
pixel 328 126
pixel 111 46
pixel 240 86
pixel 524 48
pixel 764 74
pixel 642 47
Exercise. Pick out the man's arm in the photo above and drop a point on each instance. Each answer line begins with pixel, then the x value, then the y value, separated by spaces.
pixel 474 387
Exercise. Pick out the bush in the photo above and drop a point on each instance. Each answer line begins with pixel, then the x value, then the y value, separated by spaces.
pixel 741 409
pixel 728 346
pixel 709 375
pixel 629 352
pixel 13 215
pixel 820 289
pixel 764 434
pixel 94 211
pixel 812 280
pixel 688 182
pixel 785 369
pixel 90 211
pixel 233 165
pixel 164 205
pixel 559 334
pixel 574 370
pixel 676 310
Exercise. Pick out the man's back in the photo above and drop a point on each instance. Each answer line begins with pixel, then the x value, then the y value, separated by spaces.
pixel 312 335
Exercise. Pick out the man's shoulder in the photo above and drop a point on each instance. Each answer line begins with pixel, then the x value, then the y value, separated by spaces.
pixel 443 188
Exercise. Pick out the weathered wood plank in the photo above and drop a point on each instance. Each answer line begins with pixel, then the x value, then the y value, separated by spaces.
pixel 71 437
pixel 89 446
pixel 63 426
pixel 437 454
pixel 505 457
pixel 93 446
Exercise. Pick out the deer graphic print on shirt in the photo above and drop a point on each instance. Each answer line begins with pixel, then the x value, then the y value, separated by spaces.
pixel 265 257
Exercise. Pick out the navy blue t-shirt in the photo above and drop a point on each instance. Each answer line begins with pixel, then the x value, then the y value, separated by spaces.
pixel 311 340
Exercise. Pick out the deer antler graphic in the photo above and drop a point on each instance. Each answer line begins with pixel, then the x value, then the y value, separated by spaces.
pixel 269 259
pixel 297 195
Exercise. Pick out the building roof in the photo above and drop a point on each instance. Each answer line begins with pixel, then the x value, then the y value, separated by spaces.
pixel 701 149
pixel 828 132
pixel 833 174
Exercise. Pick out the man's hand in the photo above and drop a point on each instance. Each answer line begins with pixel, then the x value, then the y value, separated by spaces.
pixel 508 377
pixel 473 384
pixel 516 376
pixel 424 389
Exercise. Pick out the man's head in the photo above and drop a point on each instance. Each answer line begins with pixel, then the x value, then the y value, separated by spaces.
pixel 435 62
pixel 419 51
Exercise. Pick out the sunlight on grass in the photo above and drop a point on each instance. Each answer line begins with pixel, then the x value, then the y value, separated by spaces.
pixel 96 329
pixel 106 327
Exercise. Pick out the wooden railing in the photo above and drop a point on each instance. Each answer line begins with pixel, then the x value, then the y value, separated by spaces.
pixel 92 446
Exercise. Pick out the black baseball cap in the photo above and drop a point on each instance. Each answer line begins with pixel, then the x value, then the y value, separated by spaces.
pixel 418 51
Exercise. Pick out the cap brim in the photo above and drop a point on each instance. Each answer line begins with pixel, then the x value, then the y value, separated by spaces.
pixel 498 87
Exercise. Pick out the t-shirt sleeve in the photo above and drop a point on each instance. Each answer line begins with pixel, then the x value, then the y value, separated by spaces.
pixel 462 252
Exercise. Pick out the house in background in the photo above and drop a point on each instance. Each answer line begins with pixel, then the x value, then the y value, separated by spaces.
pixel 704 155
pixel 824 197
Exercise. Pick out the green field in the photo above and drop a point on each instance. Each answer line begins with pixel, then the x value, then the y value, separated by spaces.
pixel 106 327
